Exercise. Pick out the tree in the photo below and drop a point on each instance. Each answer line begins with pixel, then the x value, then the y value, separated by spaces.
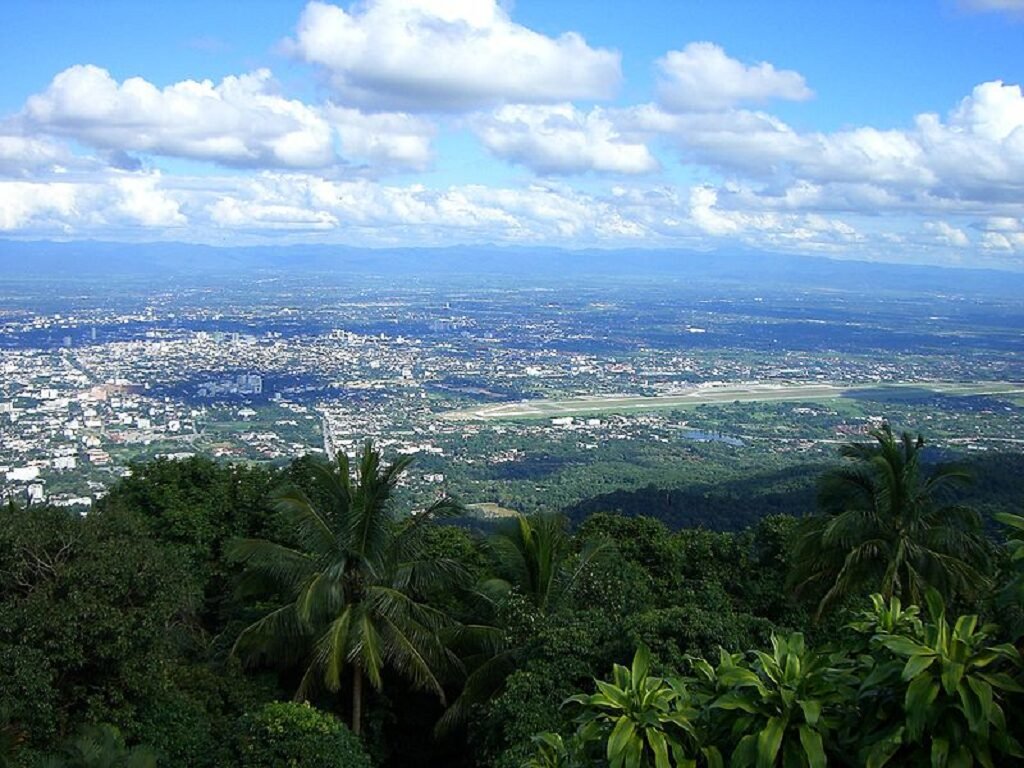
pixel 350 583
pixel 534 572
pixel 1010 597
pixel 101 746
pixel 884 527
pixel 530 555
pixel 285 734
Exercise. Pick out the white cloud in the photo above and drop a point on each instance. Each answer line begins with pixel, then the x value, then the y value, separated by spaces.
pixel 447 55
pixel 232 213
pixel 974 158
pixel 947 234
pixel 24 155
pixel 385 139
pixel 101 203
pixel 142 201
pixel 561 139
pixel 237 122
pixel 25 204
pixel 702 77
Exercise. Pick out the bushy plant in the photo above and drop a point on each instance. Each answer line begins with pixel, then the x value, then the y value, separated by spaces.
pixel 291 735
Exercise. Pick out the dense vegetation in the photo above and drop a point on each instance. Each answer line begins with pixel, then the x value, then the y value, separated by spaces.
pixel 217 615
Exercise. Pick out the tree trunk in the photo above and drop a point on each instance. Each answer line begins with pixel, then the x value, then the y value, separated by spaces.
pixel 357 700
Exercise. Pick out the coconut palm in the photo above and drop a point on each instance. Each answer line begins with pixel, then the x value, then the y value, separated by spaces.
pixel 351 583
pixel 884 527
pixel 531 558
pixel 530 554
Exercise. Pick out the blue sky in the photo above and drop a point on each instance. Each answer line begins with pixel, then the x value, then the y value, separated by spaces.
pixel 877 130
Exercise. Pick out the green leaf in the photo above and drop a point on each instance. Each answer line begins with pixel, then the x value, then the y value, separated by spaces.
pixel 811 741
pixel 921 694
pixel 904 646
pixel 769 740
pixel 940 752
pixel 961 758
pixel 660 749
pixel 952 672
pixel 882 751
pixel 984 695
pixel 965 627
pixel 734 700
pixel 745 753
pixel 812 710
pixel 713 757
pixel 917 664
pixel 641 665
pixel 622 734
pixel 1002 681
pixel 616 696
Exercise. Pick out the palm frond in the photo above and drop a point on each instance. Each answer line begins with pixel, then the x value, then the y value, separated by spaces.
pixel 480 686
pixel 334 646
pixel 311 530
pixel 277 635
pixel 284 567
pixel 411 660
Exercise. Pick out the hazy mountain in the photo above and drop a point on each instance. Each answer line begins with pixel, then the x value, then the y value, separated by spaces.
pixel 102 259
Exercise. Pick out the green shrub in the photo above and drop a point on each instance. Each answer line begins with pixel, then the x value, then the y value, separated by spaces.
pixel 290 735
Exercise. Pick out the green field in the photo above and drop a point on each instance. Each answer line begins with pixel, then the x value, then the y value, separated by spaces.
pixel 744 393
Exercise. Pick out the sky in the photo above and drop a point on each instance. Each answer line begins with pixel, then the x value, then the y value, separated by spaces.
pixel 865 129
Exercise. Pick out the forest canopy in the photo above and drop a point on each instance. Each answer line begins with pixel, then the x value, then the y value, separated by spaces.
pixel 209 614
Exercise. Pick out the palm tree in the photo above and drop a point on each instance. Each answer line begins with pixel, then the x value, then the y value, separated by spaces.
pixel 531 556
pixel 884 528
pixel 528 554
pixel 351 583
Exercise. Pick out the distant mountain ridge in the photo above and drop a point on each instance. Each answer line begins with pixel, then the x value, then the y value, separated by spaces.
pixel 97 259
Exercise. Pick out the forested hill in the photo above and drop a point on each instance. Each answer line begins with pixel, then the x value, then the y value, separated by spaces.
pixel 217 615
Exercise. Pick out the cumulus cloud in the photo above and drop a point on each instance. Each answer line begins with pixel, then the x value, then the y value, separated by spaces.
pixel 447 55
pixel 383 139
pixel 25 155
pixel 142 201
pixel 973 157
pixel 239 122
pixel 25 204
pixel 236 122
pixel 702 77
pixel 561 139
pixel 99 203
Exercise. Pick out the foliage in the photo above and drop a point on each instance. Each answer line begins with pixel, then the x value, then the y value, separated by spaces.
pixel 1010 598
pixel 351 585
pixel 101 746
pixel 898 691
pixel 883 528
pixel 89 610
pixel 529 554
pixel 953 685
pixel 783 706
pixel 292 735
pixel 127 616
pixel 643 720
